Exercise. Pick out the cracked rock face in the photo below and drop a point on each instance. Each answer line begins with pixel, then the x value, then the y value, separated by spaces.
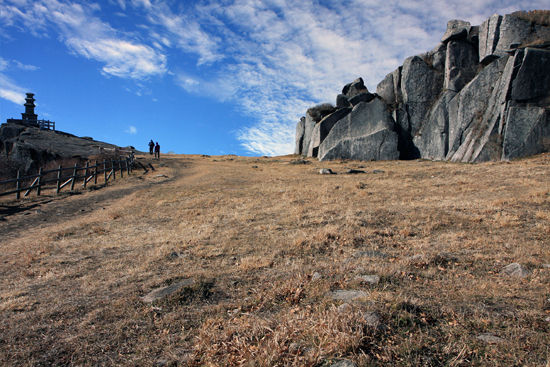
pixel 482 94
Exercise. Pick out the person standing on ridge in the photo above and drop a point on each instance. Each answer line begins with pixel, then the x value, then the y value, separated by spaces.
pixel 151 146
pixel 157 151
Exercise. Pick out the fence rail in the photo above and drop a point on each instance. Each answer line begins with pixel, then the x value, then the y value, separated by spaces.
pixel 42 124
pixel 87 173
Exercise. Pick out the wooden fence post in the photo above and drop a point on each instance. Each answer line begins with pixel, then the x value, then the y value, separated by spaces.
pixel 128 166
pixel 58 180
pixel 113 169
pixel 85 174
pixel 18 186
pixel 95 174
pixel 39 181
pixel 74 176
pixel 121 168
pixel 104 171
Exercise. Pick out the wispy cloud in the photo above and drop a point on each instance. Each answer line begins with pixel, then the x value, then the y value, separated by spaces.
pixel 11 91
pixel 87 35
pixel 131 130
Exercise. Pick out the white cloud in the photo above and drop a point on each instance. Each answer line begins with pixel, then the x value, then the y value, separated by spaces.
pixel 121 58
pixel 87 35
pixel 10 91
pixel 131 130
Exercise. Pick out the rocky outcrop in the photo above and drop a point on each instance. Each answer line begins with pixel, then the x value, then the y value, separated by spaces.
pixel 482 94
pixel 31 147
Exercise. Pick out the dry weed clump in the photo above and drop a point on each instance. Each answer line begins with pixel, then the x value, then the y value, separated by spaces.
pixel 268 248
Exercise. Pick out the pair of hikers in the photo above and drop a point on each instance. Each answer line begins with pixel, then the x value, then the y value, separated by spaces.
pixel 155 148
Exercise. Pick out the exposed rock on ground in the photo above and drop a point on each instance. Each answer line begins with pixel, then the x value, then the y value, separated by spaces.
pixel 31 147
pixel 482 94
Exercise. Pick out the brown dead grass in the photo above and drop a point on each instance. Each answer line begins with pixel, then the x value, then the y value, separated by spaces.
pixel 252 232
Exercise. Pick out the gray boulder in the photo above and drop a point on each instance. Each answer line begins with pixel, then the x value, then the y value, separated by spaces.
pixel 361 97
pixel 466 109
pixel 432 140
pixel 514 31
pixel 365 134
pixel 438 56
pixel 309 125
pixel 456 30
pixel 481 140
pixel 533 78
pixel 300 131
pixel 516 270
pixel 354 88
pixel 321 130
pixel 488 38
pixel 527 132
pixel 461 64
pixel 419 83
pixel 386 89
pixel 342 101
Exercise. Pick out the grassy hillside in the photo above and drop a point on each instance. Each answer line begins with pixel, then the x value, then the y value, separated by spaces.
pixel 267 245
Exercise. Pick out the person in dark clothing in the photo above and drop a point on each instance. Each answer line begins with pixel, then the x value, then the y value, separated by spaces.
pixel 157 151
pixel 151 146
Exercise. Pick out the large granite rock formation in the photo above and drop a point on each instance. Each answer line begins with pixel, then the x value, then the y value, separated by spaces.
pixel 482 94
pixel 31 147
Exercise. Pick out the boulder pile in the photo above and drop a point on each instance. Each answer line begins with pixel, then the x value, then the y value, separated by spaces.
pixel 482 94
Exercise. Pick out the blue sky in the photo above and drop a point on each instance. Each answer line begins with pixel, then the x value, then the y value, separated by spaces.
pixel 208 77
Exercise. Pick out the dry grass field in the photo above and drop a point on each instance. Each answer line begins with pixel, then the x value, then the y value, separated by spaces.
pixel 269 247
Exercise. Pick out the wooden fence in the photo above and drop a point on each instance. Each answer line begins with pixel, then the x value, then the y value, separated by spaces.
pixel 107 169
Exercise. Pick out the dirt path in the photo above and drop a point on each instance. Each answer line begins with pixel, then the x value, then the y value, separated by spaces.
pixel 49 209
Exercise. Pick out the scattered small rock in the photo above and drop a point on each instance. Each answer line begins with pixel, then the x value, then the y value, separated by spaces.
pixel 547 319
pixel 373 319
pixel 489 338
pixel 326 171
pixel 166 291
pixel 348 295
pixel 174 255
pixel 371 279
pixel 254 166
pixel 316 276
pixel 158 176
pixel 378 171
pixel 344 308
pixel 299 161
pixel 38 211
pixel 354 171
pixel 546 266
pixel 516 270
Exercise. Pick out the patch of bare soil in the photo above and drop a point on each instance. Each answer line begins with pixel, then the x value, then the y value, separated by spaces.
pixel 266 262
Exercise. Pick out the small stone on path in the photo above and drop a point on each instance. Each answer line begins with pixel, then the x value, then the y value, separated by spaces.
pixel 326 171
pixel 348 295
pixel 166 291
pixel 490 338
pixel 516 270
pixel 371 279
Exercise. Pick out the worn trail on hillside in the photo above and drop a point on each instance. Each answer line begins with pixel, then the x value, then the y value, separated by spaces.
pixel 48 210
